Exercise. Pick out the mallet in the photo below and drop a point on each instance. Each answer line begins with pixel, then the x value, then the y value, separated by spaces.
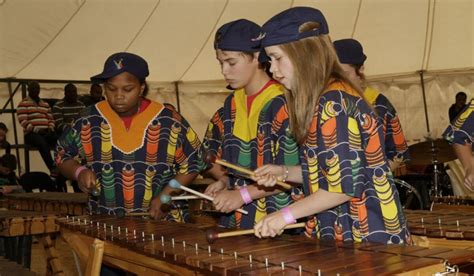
pixel 249 172
pixel 212 235
pixel 176 185
pixel 167 199
pixel 95 192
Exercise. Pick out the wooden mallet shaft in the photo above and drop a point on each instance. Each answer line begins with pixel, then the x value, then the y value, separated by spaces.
pixel 185 197
pixel 249 172
pixel 165 199
pixel 176 185
pixel 212 234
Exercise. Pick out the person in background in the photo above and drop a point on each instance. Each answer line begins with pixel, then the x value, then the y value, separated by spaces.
pixel 37 121
pixel 8 164
pixel 460 133
pixel 458 106
pixel 3 138
pixel 67 110
pixel 352 58
pixel 95 95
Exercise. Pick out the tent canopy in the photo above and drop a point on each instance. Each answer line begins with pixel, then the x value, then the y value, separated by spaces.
pixel 70 39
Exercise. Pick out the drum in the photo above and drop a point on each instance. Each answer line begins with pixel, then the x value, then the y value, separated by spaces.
pixel 409 195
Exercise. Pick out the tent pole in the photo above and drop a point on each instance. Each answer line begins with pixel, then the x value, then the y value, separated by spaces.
pixel 12 106
pixel 10 98
pixel 422 81
pixel 176 89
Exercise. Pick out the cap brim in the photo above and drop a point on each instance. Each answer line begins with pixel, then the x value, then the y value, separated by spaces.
pixel 102 77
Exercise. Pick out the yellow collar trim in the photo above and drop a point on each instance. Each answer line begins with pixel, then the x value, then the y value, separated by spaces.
pixel 370 94
pixel 245 125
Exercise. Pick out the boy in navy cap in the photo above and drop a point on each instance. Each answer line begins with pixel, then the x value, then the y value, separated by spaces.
pixel 129 147
pixel 251 129
pixel 351 56
pixel 346 178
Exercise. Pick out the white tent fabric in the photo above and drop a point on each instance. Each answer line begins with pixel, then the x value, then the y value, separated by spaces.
pixel 70 39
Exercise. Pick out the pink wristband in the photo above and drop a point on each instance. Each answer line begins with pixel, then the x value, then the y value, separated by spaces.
pixel 287 215
pixel 244 193
pixel 78 171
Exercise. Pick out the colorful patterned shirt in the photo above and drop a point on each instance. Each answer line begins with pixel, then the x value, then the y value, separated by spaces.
pixel 461 129
pixel 251 140
pixel 132 167
pixel 396 147
pixel 344 153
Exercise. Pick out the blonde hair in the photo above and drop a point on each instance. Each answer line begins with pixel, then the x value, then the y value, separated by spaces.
pixel 315 62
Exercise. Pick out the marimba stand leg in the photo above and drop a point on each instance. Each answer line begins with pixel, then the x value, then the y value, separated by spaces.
pixel 11 246
pixel 54 264
pixel 94 262
pixel 2 246
pixel 24 250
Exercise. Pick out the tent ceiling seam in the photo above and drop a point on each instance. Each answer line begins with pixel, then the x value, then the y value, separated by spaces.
pixel 428 56
pixel 143 25
pixel 51 41
pixel 428 31
pixel 205 41
pixel 356 21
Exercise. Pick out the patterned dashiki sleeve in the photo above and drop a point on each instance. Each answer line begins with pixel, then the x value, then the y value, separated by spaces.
pixel 461 129
pixel 188 156
pixel 68 146
pixel 341 144
pixel 214 134
pixel 395 144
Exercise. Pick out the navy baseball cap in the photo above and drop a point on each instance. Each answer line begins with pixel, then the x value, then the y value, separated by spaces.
pixel 350 51
pixel 284 27
pixel 240 35
pixel 122 62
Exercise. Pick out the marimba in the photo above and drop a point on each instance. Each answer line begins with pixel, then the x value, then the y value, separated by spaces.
pixel 17 229
pixel 59 203
pixel 445 227
pixel 455 203
pixel 139 245
pixel 20 223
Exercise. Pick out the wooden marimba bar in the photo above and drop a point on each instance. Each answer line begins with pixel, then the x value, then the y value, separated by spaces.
pixel 446 228
pixel 60 203
pixel 455 203
pixel 183 249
